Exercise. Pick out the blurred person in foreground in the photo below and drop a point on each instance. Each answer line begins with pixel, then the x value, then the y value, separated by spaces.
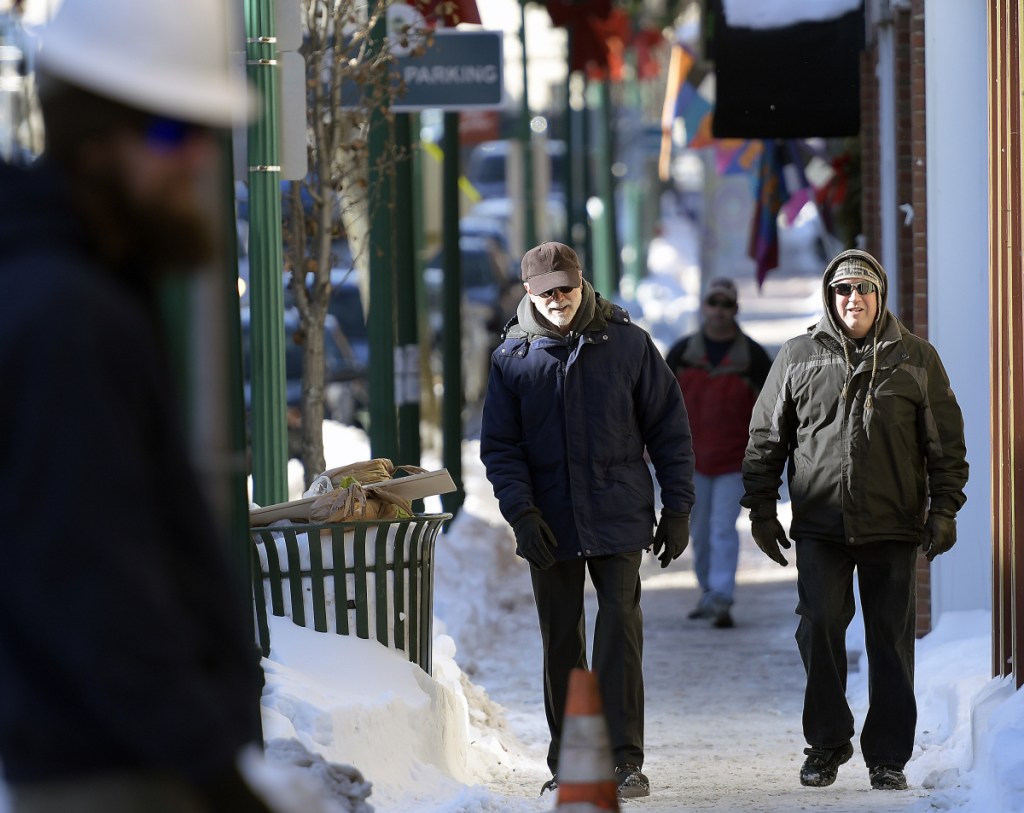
pixel 862 413
pixel 720 370
pixel 129 679
pixel 575 395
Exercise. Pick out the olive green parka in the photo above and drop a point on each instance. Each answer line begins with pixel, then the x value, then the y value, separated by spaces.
pixel 872 434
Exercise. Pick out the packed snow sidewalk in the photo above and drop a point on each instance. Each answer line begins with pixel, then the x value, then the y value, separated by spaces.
pixel 723 706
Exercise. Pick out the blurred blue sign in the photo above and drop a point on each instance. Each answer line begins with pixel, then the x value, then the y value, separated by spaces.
pixel 459 70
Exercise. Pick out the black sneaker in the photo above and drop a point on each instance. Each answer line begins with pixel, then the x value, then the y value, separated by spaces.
pixel 700 611
pixel 887 777
pixel 550 786
pixel 632 783
pixel 722 620
pixel 822 765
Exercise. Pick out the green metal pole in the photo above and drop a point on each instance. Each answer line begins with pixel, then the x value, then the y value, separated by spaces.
pixel 571 171
pixel 451 302
pixel 381 320
pixel 633 244
pixel 603 224
pixel 634 253
pixel 529 203
pixel 266 298
pixel 407 356
pixel 584 163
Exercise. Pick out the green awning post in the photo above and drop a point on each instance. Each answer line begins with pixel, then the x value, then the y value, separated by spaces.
pixel 381 319
pixel 605 240
pixel 580 149
pixel 451 312
pixel 572 174
pixel 266 261
pixel 634 254
pixel 525 139
pixel 407 355
pixel 633 248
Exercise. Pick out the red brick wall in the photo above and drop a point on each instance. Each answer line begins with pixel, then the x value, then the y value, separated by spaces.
pixel 907 180
pixel 870 166
pixel 917 308
pixel 910 180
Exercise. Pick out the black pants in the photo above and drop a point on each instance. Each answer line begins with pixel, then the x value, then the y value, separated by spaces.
pixel 885 574
pixel 618 646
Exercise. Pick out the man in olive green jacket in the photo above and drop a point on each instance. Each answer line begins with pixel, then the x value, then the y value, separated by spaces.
pixel 861 411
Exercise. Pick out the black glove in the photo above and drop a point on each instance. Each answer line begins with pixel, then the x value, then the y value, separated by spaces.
pixel 673 535
pixel 768 533
pixel 534 539
pixel 941 530
pixel 229 791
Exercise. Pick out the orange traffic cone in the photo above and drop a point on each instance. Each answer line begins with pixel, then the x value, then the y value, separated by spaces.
pixel 586 775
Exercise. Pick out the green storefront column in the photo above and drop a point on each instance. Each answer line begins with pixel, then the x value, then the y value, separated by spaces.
pixel 602 215
pixel 381 320
pixel 525 138
pixel 266 298
pixel 407 355
pixel 451 311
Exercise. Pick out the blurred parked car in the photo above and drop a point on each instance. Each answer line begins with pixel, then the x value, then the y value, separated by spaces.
pixel 489 299
pixel 486 282
pixel 492 228
pixel 345 392
pixel 486 168
pixel 551 220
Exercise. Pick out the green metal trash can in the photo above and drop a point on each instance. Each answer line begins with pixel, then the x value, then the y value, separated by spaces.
pixel 370 578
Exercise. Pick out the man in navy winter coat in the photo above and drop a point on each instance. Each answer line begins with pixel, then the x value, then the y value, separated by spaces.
pixel 576 394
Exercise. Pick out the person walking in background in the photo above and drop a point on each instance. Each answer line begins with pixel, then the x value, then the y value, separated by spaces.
pixel 720 371
pixel 575 395
pixel 130 678
pixel 862 413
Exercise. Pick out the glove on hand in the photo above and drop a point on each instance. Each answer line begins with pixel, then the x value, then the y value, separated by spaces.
pixel 941 530
pixel 673 535
pixel 534 539
pixel 769 534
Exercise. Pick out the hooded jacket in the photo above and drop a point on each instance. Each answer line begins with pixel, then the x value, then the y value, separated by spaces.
pixel 123 645
pixel 872 435
pixel 567 420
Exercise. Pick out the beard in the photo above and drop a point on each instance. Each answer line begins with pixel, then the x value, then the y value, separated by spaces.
pixel 144 236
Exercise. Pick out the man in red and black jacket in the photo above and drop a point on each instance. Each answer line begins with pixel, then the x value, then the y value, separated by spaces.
pixel 720 371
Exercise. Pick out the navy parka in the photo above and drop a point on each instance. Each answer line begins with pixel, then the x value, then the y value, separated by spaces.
pixel 565 426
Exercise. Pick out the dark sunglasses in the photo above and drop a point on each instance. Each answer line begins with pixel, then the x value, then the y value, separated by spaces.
pixel 564 289
pixel 720 303
pixel 169 134
pixel 846 288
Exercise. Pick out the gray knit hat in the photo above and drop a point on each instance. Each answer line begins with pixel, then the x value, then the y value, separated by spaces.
pixel 856 268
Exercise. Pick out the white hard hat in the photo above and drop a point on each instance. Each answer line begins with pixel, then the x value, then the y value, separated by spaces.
pixel 168 57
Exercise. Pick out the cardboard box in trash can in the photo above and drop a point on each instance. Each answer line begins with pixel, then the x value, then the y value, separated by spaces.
pixel 411 487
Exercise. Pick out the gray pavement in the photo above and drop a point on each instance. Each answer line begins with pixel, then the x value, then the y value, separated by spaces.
pixel 723 706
